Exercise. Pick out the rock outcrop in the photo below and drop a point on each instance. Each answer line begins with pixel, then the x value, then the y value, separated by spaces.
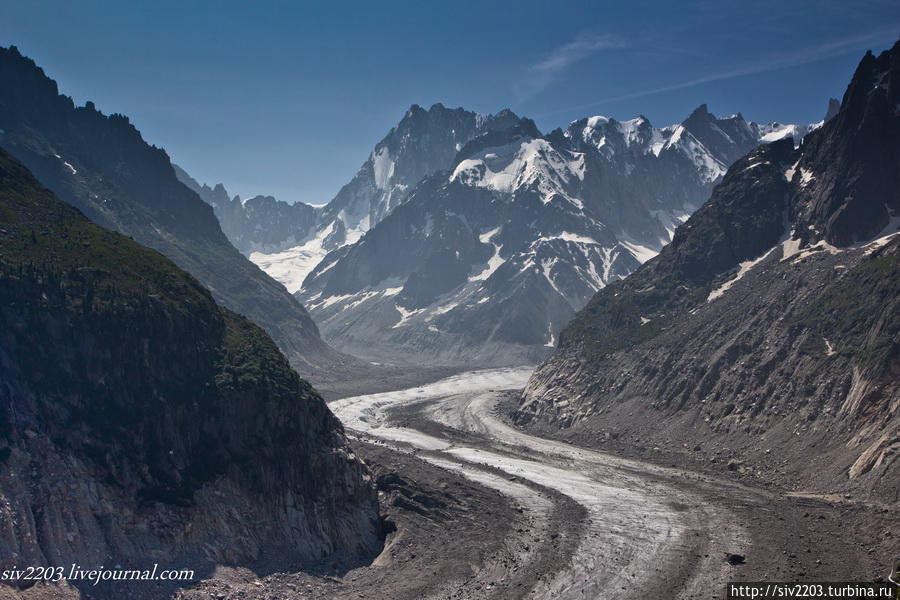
pixel 257 224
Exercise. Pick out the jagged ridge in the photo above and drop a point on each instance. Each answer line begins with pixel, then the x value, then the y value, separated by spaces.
pixel 485 262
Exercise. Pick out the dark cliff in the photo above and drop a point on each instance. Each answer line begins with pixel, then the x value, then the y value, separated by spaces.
pixel 141 423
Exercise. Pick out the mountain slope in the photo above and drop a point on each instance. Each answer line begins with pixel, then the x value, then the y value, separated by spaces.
pixel 486 261
pixel 768 330
pixel 101 165
pixel 142 423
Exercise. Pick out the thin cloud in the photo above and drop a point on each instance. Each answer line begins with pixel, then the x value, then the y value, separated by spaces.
pixel 543 72
pixel 577 50
pixel 797 58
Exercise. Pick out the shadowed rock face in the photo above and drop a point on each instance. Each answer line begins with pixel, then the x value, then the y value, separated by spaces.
pixel 849 174
pixel 769 327
pixel 101 165
pixel 141 423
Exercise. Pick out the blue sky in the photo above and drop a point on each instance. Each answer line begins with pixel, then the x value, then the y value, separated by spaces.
pixel 288 98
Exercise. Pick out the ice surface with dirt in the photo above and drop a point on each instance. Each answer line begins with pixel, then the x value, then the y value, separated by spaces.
pixel 632 533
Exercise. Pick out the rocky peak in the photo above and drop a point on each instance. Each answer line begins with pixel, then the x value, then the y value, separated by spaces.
pixel 834 106
pixel 847 180
pixel 219 192
pixel 701 113
pixel 768 326
pixel 727 138
pixel 522 129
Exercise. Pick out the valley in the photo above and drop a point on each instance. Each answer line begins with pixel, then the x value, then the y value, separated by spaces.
pixel 597 358
pixel 575 522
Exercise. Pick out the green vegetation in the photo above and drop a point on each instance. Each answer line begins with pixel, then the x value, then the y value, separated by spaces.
pixel 114 343
pixel 126 185
pixel 42 237
pixel 251 359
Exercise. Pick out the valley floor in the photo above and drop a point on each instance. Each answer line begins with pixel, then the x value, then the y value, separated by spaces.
pixel 478 509
pixel 484 510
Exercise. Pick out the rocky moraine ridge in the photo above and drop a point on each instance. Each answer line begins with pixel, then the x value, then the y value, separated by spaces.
pixel 141 423
pixel 767 334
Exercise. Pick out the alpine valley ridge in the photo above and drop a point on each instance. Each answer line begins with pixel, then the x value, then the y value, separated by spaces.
pixel 766 336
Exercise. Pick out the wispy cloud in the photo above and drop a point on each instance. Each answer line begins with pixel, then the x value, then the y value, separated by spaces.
pixel 542 73
pixel 767 64
pixel 576 50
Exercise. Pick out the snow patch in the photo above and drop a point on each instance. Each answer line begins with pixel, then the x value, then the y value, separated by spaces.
pixel 67 165
pixel 567 236
pixel 290 267
pixel 383 166
pixel 444 308
pixel 806 176
pixel 552 342
pixel 743 269
pixel 641 253
pixel 789 173
pixel 495 261
pixel 886 235
pixel 791 249
pixel 522 164
pixel 405 315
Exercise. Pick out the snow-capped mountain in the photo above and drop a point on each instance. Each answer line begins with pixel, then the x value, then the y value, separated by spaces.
pixel 487 258
pixel 422 143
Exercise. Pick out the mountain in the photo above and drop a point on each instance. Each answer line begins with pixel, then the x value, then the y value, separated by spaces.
pixel 485 261
pixel 421 144
pixel 142 422
pixel 257 224
pixel 767 334
pixel 101 165
pixel 289 240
